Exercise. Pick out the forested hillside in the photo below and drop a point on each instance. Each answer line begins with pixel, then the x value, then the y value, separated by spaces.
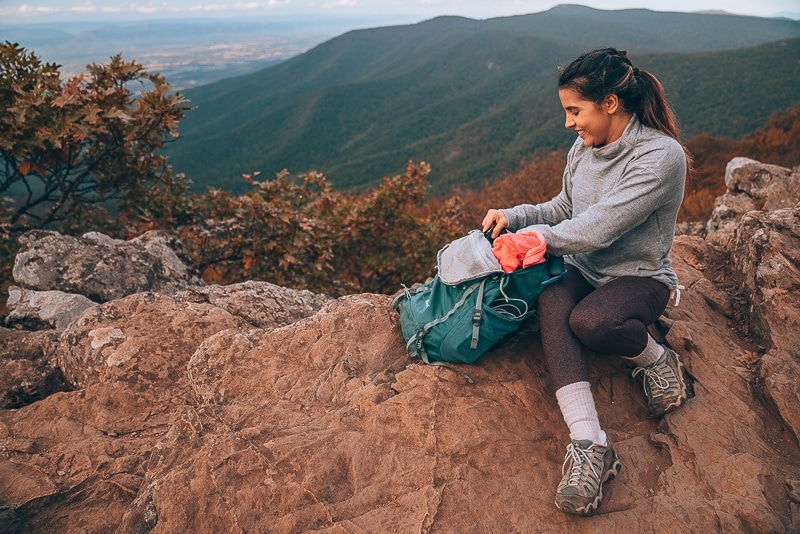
pixel 473 98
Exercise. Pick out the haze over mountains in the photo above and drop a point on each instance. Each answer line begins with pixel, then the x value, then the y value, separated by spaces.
pixel 187 52
pixel 473 97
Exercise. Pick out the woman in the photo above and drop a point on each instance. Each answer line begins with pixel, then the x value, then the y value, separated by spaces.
pixel 614 223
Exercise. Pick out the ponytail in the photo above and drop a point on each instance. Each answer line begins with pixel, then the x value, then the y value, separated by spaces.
pixel 654 110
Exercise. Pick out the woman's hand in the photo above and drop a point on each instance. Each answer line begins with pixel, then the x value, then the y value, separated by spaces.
pixel 496 219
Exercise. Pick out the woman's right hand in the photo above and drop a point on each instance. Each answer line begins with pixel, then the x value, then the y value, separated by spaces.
pixel 496 219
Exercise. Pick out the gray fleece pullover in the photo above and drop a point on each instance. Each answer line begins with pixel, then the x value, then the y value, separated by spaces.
pixel 616 212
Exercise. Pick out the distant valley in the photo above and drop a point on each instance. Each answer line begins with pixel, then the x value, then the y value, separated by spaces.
pixel 189 53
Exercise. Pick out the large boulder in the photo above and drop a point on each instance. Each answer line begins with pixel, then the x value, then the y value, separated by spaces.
pixel 143 341
pixel 751 185
pixel 262 304
pixel 766 257
pixel 101 268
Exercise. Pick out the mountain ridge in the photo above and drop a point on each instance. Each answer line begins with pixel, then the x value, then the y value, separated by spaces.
pixel 470 97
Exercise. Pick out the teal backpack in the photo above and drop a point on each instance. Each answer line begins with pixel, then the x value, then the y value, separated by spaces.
pixel 459 322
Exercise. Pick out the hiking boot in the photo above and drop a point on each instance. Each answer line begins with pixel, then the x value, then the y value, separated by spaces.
pixel 586 468
pixel 664 383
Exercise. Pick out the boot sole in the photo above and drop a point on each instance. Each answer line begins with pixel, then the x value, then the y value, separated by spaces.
pixel 569 508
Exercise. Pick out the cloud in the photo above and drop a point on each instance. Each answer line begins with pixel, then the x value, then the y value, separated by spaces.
pixel 209 7
pixel 248 5
pixel 25 9
pixel 342 3
pixel 83 8
pixel 244 6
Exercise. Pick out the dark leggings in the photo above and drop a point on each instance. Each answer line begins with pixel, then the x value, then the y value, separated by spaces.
pixel 610 320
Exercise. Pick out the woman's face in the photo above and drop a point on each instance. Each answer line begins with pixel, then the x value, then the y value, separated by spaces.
pixel 595 124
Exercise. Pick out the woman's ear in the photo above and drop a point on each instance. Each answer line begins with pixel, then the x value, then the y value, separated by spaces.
pixel 611 104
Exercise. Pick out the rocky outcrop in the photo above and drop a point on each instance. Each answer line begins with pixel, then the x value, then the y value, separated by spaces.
pixel 61 276
pixel 766 258
pixel 101 268
pixel 261 304
pixel 752 186
pixel 755 226
pixel 210 410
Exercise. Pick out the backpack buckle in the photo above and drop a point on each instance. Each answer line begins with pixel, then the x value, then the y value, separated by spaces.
pixel 477 317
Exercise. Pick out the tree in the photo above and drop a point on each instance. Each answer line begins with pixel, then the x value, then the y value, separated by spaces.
pixel 389 236
pixel 778 141
pixel 298 232
pixel 280 231
pixel 83 153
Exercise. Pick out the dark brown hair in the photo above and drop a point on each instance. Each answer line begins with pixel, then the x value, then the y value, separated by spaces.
pixel 608 71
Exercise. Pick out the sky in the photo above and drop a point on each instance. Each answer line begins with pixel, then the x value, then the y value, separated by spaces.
pixel 32 11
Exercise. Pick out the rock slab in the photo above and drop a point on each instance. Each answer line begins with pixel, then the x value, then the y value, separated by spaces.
pixel 208 410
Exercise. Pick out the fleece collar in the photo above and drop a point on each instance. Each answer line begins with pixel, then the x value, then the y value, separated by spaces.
pixel 626 140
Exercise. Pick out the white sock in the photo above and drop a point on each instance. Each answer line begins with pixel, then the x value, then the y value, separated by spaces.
pixel 577 407
pixel 651 353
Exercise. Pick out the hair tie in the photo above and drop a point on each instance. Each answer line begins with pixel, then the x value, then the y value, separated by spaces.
pixel 635 71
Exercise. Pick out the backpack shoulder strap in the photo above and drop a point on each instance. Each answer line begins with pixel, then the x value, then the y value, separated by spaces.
pixel 477 315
